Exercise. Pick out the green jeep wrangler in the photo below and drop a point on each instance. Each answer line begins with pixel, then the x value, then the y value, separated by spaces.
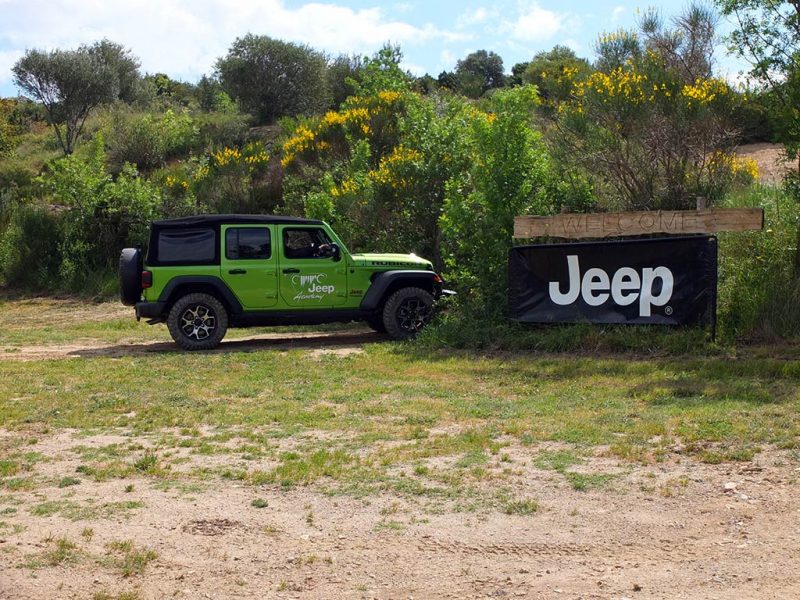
pixel 207 273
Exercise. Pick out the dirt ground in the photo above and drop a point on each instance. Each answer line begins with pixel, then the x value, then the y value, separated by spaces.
pixel 673 529
pixel 342 343
pixel 711 531
pixel 770 159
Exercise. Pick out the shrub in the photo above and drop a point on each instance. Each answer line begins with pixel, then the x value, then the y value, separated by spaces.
pixel 101 216
pixel 478 217
pixel 148 141
pixel 759 275
pixel 30 248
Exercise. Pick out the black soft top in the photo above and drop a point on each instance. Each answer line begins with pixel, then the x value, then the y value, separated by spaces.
pixel 216 220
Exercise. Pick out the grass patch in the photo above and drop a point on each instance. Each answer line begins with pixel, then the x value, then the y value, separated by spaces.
pixel 60 551
pixel 404 418
pixel 558 461
pixel 73 511
pixel 587 481
pixel 128 558
pixel 521 507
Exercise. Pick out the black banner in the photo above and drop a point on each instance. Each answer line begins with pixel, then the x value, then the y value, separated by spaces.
pixel 667 281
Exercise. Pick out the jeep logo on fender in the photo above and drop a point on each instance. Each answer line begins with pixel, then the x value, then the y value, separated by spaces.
pixel 624 287
pixel 668 281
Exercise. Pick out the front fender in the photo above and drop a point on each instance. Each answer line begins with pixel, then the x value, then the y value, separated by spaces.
pixel 383 282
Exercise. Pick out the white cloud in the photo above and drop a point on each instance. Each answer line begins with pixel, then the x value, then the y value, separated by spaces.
pixel 447 60
pixel 535 24
pixel 415 69
pixel 7 60
pixel 472 17
pixel 573 44
pixel 617 12
pixel 184 37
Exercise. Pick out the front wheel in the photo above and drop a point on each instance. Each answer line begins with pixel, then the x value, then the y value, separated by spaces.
pixel 197 322
pixel 407 311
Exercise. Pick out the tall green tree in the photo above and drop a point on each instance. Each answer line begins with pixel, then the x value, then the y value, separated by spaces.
pixel 271 78
pixel 70 83
pixel 479 72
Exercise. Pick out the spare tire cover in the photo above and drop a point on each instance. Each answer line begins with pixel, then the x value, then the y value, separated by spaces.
pixel 130 276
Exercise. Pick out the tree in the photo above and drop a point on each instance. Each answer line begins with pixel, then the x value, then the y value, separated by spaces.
pixel 553 73
pixel 272 78
pixel 688 47
pixel 70 83
pixel 343 71
pixel 516 73
pixel 480 72
pixel 122 62
pixel 447 80
pixel 382 73
pixel 767 35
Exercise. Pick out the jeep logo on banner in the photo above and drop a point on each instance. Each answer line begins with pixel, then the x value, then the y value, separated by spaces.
pixel 670 281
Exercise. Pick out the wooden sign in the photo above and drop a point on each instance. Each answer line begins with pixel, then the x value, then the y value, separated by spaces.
pixel 601 225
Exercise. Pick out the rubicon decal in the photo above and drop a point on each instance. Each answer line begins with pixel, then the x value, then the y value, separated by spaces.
pixel 669 281
pixel 311 287
pixel 624 288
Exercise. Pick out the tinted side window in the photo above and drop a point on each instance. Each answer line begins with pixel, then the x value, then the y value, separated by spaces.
pixel 304 243
pixel 247 243
pixel 187 246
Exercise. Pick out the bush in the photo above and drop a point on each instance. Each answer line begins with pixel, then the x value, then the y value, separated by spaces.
pixel 30 249
pixel 101 215
pixel 478 217
pixel 148 141
pixel 759 276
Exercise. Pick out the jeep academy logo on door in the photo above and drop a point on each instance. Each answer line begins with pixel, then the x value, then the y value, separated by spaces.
pixel 624 288
pixel 311 287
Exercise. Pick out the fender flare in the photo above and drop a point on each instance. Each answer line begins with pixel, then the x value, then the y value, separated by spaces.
pixel 215 282
pixel 382 281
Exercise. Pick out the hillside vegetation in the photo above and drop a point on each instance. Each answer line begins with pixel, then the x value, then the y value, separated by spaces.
pixel 394 162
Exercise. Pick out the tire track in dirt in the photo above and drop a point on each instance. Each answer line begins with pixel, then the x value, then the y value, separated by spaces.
pixel 340 343
pixel 652 550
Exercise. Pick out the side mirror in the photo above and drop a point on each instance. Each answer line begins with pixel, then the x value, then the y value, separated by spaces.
pixel 336 252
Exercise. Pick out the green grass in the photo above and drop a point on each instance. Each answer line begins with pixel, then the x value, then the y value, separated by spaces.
pixel 521 507
pixel 381 420
pixel 61 551
pixel 129 558
pixel 73 511
pixel 587 481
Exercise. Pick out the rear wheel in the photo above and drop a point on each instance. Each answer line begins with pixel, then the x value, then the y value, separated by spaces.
pixel 130 276
pixel 197 322
pixel 407 311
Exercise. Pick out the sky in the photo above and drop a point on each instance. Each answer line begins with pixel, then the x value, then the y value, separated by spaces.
pixel 183 38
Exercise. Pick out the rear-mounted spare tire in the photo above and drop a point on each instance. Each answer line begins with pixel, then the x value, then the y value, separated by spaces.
pixel 130 276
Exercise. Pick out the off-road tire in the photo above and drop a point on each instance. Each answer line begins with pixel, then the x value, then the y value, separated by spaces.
pixel 375 322
pixel 197 322
pixel 130 276
pixel 406 312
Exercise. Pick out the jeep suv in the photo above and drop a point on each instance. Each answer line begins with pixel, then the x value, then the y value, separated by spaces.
pixel 207 273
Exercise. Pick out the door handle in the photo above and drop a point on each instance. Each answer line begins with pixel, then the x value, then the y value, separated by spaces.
pixel 291 270
pixel 237 271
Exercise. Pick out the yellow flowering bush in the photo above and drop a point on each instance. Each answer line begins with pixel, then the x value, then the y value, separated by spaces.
pixel 359 117
pixel 645 134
